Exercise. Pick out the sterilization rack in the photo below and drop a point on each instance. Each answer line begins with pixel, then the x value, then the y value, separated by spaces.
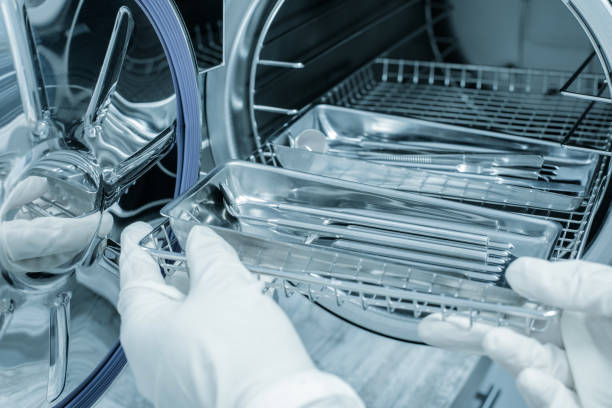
pixel 323 283
pixel 523 102
pixel 576 224
pixel 512 101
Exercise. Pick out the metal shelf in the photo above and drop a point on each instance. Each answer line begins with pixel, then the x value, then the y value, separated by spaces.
pixel 521 104
pixel 589 88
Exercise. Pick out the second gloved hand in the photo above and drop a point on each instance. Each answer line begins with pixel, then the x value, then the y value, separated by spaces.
pixel 572 367
pixel 224 344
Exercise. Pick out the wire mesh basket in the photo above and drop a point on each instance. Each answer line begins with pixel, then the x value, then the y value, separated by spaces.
pixel 370 283
pixel 516 102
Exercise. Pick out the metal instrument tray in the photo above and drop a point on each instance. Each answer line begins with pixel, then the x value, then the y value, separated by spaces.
pixel 425 232
pixel 565 170
pixel 494 191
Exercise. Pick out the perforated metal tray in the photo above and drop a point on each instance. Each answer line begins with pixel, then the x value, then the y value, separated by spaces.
pixel 393 289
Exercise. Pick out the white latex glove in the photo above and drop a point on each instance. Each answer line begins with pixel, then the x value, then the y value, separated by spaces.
pixel 574 367
pixel 224 344
pixel 44 243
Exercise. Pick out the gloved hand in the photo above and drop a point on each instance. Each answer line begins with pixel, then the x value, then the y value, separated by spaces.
pixel 44 243
pixel 223 344
pixel 572 367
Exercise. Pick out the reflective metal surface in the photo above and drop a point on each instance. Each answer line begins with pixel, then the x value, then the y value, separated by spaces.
pixel 226 96
pixel 88 106
pixel 440 184
pixel 390 140
pixel 395 256
pixel 282 62
pixel 288 206
pixel 98 105
pixel 54 340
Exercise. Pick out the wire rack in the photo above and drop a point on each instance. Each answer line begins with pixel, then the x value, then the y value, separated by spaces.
pixel 516 102
pixel 369 283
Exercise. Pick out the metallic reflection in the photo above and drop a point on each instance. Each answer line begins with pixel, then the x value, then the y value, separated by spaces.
pixel 87 105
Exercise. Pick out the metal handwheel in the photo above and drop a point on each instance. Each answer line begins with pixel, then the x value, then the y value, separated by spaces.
pixel 88 104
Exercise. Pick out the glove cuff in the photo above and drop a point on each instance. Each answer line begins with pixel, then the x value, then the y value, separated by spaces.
pixel 312 388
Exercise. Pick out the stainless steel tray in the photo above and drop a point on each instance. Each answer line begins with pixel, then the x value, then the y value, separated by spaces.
pixel 493 191
pixel 424 232
pixel 565 170
pixel 275 219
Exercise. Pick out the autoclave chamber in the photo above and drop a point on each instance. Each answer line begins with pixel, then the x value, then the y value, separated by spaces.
pixel 424 98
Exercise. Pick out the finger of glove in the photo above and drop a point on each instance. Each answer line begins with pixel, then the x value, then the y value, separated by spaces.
pixel 25 192
pixel 541 390
pixel 213 263
pixel 46 236
pixel 516 352
pixel 143 287
pixel 453 333
pixel 572 285
pixel 135 264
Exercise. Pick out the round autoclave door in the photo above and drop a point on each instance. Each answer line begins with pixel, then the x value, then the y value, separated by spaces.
pixel 90 102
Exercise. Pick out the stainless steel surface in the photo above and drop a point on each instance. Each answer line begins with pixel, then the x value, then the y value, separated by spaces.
pixel 228 109
pixel 87 105
pixel 587 172
pixel 600 94
pixel 435 14
pixel 36 363
pixel 394 294
pixel 91 86
pixel 594 17
pixel 314 55
pixel 513 104
pixel 222 83
pixel 234 99
pixel 59 338
pixel 451 162
pixel 270 201
pixel 361 133
pixel 397 153
pixel 419 181
pixel 88 121
pixel 287 225
pixel 518 108
pixel 204 21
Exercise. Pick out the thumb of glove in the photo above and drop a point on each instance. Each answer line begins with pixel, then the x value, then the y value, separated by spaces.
pixel 571 285
pixel 541 390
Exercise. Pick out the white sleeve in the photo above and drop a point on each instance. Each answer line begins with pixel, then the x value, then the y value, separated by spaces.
pixel 308 389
